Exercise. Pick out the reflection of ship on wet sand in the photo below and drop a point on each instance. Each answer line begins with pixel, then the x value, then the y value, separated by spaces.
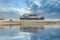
pixel 31 29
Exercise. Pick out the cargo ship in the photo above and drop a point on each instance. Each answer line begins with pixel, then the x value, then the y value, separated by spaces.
pixel 31 17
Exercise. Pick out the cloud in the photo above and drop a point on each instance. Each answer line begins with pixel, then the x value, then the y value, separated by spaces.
pixel 12 12
pixel 21 10
pixel 47 8
pixel 38 2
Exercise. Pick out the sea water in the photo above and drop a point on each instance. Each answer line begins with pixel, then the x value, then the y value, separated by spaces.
pixel 50 32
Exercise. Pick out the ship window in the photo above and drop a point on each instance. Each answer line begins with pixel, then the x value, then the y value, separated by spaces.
pixel 33 15
pixel 25 15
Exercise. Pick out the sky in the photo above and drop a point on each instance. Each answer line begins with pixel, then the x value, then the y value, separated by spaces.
pixel 13 9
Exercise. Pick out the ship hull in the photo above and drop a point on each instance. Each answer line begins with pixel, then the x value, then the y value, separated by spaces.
pixel 42 18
